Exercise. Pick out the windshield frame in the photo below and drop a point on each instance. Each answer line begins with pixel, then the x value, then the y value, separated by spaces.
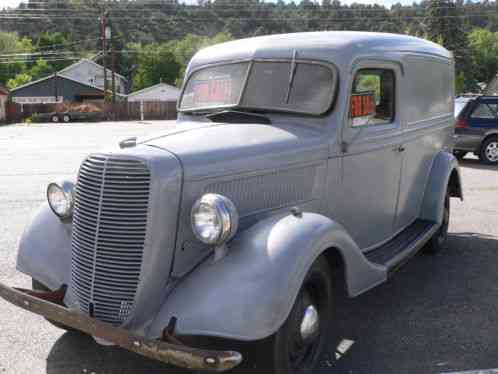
pixel 251 61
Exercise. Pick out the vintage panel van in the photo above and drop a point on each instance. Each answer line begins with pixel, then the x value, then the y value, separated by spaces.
pixel 294 157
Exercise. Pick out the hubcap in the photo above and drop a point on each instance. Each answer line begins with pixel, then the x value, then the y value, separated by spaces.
pixel 310 325
pixel 492 151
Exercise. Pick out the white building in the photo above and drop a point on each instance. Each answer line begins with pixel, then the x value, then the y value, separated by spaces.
pixel 159 92
pixel 91 73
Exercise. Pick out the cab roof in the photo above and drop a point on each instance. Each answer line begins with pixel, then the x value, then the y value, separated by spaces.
pixel 333 46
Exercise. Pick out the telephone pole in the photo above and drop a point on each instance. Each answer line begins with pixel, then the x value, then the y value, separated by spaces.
pixel 113 69
pixel 103 23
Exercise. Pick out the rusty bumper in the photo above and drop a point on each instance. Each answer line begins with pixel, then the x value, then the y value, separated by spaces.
pixel 49 305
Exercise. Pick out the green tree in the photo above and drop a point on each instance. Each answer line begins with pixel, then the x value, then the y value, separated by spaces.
pixel 444 25
pixel 51 43
pixel 484 48
pixel 156 63
pixel 18 80
pixel 41 69
pixel 12 52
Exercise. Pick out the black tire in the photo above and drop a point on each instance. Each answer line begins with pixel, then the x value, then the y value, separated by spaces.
pixel 38 286
pixel 287 351
pixel 54 118
pixel 436 243
pixel 66 118
pixel 460 154
pixel 489 151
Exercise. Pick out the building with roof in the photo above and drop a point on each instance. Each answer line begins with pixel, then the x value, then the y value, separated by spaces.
pixel 158 92
pixel 91 73
pixel 4 94
pixel 81 81
pixel 55 89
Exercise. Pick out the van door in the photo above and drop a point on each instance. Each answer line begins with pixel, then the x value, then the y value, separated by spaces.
pixel 371 158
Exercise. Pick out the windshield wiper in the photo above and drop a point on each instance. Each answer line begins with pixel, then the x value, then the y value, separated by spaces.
pixel 291 76
pixel 236 116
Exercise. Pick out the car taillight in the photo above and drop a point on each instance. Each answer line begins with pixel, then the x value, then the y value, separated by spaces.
pixel 461 123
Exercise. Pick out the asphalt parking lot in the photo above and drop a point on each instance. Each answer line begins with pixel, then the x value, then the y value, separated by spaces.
pixel 438 314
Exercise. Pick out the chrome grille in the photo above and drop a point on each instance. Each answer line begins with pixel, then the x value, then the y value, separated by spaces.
pixel 109 228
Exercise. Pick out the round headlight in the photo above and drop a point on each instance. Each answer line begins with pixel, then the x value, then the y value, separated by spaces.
pixel 60 198
pixel 214 219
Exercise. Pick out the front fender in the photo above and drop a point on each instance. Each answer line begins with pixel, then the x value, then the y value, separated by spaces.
pixel 444 175
pixel 248 294
pixel 45 249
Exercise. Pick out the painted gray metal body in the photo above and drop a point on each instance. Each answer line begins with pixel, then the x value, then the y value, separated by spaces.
pixel 357 191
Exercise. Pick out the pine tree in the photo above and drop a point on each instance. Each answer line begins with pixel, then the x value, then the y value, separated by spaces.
pixel 444 25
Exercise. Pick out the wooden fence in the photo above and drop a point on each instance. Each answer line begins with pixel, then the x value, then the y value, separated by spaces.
pixel 122 111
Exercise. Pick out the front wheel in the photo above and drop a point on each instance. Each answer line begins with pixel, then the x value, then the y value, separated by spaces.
pixel 436 243
pixel 297 346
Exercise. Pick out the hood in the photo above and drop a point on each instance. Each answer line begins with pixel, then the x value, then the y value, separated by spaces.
pixel 215 149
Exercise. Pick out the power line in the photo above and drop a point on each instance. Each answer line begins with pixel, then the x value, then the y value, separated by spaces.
pixel 267 19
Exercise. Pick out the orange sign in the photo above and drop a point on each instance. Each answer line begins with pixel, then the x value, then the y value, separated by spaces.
pixel 213 91
pixel 362 105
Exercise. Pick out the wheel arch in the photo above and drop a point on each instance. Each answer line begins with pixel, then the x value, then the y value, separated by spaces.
pixel 444 177
pixel 249 294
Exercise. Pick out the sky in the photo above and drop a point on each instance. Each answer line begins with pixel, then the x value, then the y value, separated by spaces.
pixel 388 3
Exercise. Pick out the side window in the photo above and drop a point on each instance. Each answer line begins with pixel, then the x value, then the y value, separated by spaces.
pixel 485 111
pixel 372 101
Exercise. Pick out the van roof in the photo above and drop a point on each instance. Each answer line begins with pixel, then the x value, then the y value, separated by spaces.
pixel 322 45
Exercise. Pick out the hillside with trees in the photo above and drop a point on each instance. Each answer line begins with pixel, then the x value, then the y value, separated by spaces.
pixel 154 39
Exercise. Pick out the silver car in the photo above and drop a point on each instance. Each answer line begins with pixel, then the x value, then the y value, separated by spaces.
pixel 294 157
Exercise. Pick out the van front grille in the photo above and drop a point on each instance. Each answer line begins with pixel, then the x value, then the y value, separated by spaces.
pixel 108 238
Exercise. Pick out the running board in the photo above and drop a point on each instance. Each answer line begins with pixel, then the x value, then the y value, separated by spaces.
pixel 403 246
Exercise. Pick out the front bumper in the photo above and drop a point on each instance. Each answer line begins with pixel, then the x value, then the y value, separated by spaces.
pixel 49 305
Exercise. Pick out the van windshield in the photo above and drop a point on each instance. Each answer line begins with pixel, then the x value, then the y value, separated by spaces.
pixel 285 86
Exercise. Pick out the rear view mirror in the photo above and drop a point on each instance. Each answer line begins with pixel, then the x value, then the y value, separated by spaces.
pixel 362 108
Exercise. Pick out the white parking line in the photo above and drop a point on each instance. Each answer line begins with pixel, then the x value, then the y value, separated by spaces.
pixel 486 371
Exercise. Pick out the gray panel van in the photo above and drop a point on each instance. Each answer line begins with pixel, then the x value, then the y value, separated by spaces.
pixel 294 157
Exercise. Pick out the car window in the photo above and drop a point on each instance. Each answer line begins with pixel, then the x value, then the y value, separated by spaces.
pixel 310 92
pixel 485 111
pixel 381 84
pixel 301 87
pixel 459 105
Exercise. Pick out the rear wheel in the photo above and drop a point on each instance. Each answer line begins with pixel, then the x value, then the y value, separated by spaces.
pixel 54 118
pixel 66 118
pixel 489 151
pixel 38 286
pixel 437 242
pixel 297 346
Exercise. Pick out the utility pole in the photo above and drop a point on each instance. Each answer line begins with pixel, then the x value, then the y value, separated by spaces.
pixel 113 67
pixel 104 48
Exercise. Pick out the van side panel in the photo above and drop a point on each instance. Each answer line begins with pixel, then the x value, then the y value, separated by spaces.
pixel 427 127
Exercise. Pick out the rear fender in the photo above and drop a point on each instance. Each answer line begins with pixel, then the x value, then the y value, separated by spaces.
pixel 444 176
pixel 248 294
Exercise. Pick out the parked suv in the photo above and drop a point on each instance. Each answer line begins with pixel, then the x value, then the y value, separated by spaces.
pixel 476 128
pixel 294 157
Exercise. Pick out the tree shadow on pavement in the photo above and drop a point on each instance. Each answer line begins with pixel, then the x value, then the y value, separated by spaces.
pixel 437 314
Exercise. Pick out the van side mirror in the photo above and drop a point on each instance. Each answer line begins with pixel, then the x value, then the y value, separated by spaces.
pixel 362 108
